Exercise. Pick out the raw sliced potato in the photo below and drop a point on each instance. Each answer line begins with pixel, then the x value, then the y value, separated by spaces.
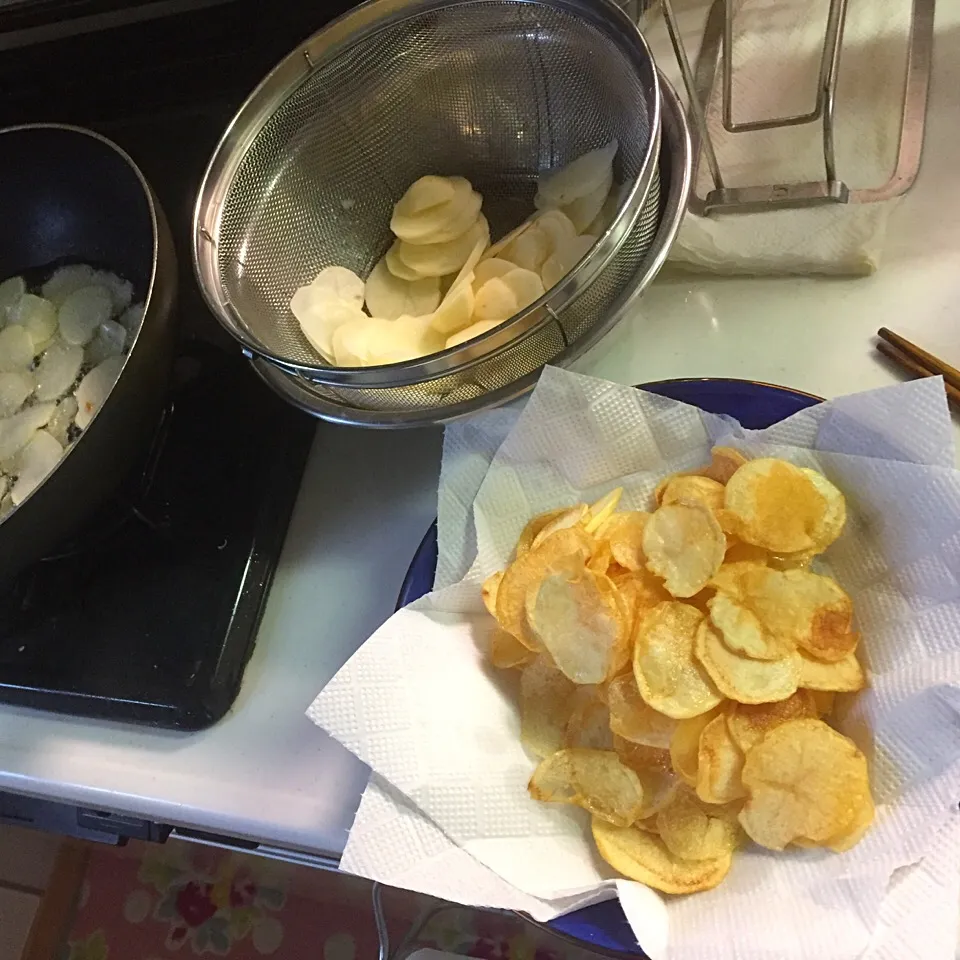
pixel 456 311
pixel 439 259
pixel 396 266
pixel 424 194
pixel 578 178
pixel 491 267
pixel 564 259
pixel 584 210
pixel 390 297
pixel 525 285
pixel 339 283
pixel 442 222
pixel 469 333
pixel 495 302
pixel 558 228
pixel 320 316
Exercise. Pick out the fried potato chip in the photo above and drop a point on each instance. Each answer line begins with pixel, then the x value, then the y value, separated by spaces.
pixel 506 651
pixel 545 707
pixel 791 561
pixel 593 779
pixel 743 632
pixel 571 517
pixel 694 489
pixel 685 745
pixel 529 570
pixel 598 513
pixel 685 545
pixel 832 523
pixel 748 723
pixel 720 764
pixel 823 615
pixel 740 552
pixel 641 856
pixel 534 526
pixel 624 533
pixel 641 590
pixel 857 829
pixel 668 675
pixel 724 463
pixel 488 592
pixel 632 718
pixel 804 780
pixel 822 700
pixel 775 505
pixel 689 832
pixel 589 723
pixel 741 678
pixel 655 771
pixel 843 676
pixel 581 620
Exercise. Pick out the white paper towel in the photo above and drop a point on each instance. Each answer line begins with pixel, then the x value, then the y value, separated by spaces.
pixel 448 810
pixel 777 48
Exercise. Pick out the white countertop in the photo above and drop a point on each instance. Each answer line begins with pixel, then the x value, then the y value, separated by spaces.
pixel 265 772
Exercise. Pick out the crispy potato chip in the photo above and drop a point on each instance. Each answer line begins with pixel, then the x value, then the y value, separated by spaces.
pixel 822 699
pixel 684 544
pixel 528 571
pixel 655 771
pixel 624 533
pixel 720 764
pixel 855 832
pixel 843 676
pixel 775 505
pixel 824 615
pixel 641 856
pixel 506 651
pixel 743 632
pixel 534 526
pixel 741 678
pixel 791 561
pixel 632 718
pixel 598 513
pixel 545 707
pixel 581 620
pixel 748 723
pixel 668 675
pixel 685 745
pixel 831 526
pixel 641 589
pixel 724 463
pixel 740 552
pixel 689 832
pixel 570 517
pixel 694 489
pixel 593 779
pixel 589 723
pixel 601 559
pixel 803 780
pixel 489 592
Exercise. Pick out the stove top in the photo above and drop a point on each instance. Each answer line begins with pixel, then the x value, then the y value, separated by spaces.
pixel 150 614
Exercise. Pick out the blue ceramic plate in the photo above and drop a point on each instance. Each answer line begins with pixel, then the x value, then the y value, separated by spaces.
pixel 756 405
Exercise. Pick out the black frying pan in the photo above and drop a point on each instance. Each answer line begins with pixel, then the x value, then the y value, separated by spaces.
pixel 68 195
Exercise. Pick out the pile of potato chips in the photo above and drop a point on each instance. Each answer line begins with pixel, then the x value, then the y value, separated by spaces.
pixel 677 668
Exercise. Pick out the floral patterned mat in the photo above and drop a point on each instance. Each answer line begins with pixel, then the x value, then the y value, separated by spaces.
pixel 149 902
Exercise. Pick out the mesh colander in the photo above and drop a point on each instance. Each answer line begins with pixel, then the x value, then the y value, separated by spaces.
pixel 494 90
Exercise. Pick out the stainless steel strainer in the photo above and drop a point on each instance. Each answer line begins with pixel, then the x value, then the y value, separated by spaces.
pixel 494 90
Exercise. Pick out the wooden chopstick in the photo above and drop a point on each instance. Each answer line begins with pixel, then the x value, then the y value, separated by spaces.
pixel 916 368
pixel 933 365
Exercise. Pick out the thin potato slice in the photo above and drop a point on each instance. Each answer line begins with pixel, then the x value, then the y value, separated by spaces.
pixel 439 259
pixel 741 678
pixel 642 856
pixel 740 552
pixel 435 222
pixel 578 178
pixel 824 614
pixel 600 512
pixel 529 570
pixel 720 764
pixel 749 723
pixel 685 745
pixel 453 316
pixel 843 676
pixel 534 526
pixel 822 700
pixel 507 652
pixel 804 780
pixel 494 302
pixel 689 832
pixel 775 505
pixel 545 707
pixel 581 621
pixel 653 768
pixel 390 297
pixel 685 545
pixel 529 250
pixel 724 463
pixel 488 269
pixel 668 675
pixel 566 518
pixel 632 718
pixel 642 591
pixel 694 489
pixel 589 723
pixel 624 532
pixel 470 333
pixel 525 285
pixel 584 210
pixel 558 228
pixel 593 779
pixel 855 832
pixel 488 592
pixel 424 194
pixel 831 526
pixel 743 632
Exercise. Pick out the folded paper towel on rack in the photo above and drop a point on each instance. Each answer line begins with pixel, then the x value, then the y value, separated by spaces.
pixel 776 59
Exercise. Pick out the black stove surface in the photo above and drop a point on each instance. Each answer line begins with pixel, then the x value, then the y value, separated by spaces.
pixel 150 614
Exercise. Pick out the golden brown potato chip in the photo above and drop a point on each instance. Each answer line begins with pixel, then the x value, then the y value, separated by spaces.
pixel 843 676
pixel 791 561
pixel 593 779
pixel 545 707
pixel 743 632
pixel 632 718
pixel 720 764
pixel 740 552
pixel 741 678
pixel 694 489
pixel 598 513
pixel 642 856
pixel 489 592
pixel 624 533
pixel 506 651
pixel 724 463
pixel 582 621
pixel 749 722
pixel 803 780
pixel 601 559
pixel 589 723
pixel 856 830
pixel 534 526
pixel 528 571
pixel 689 832
pixel 822 700
pixel 668 675
pixel 571 517
pixel 775 505
pixel 684 544
pixel 685 745
pixel 832 523
pixel 655 771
